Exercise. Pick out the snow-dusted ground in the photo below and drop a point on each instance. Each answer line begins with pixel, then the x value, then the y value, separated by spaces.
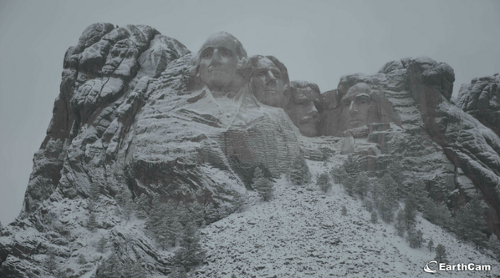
pixel 301 233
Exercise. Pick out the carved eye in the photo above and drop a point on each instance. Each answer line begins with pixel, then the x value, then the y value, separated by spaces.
pixel 363 101
pixel 207 53
pixel 276 74
pixel 224 52
pixel 261 75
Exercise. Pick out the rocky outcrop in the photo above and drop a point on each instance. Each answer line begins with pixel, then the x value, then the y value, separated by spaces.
pixel 481 99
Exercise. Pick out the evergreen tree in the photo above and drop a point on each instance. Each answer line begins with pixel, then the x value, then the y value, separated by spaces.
pixel 441 256
pixel 1 226
pixel 95 191
pixel 416 239
pixel 265 188
pixel 351 166
pixel 178 272
pixel 385 197
pixel 191 253
pixel 494 245
pixel 299 171
pixel 339 174
pixel 395 171
pixel 437 214
pixel 368 205
pixel 142 206
pixel 344 211
pixel 373 217
pixel 109 268
pixel 133 270
pixel 124 200
pixel 400 224
pixel 50 261
pixel 323 182
pixel 469 221
pixel 92 222
pixel 156 215
pixel 410 211
pixel 257 174
pixel 81 259
pixel 430 245
pixel 361 185
pixel 101 244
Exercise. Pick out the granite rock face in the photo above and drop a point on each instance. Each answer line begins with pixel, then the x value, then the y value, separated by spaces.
pixel 481 99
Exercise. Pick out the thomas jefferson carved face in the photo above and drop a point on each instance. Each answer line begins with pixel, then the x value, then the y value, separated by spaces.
pixel 219 61
pixel 267 82
pixel 302 108
pixel 356 106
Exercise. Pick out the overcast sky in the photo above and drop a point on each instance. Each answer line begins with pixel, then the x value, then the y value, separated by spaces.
pixel 318 41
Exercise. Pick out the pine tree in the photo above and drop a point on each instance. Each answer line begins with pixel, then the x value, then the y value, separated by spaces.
pixel 469 221
pixel 124 199
pixel 101 245
pixel 156 215
pixel 368 205
pixel 178 272
pixel 95 191
pixel 344 211
pixel 400 224
pixel 494 245
pixel 50 261
pixel 81 259
pixel 351 166
pixel 430 245
pixel 323 181
pixel 373 217
pixel 437 214
pixel 1 226
pixel 265 188
pixel 133 270
pixel 395 171
pixel 142 206
pixel 441 256
pixel 299 171
pixel 410 212
pixel 339 174
pixel 191 253
pixel 385 197
pixel 92 222
pixel 361 185
pixel 416 239
pixel 108 268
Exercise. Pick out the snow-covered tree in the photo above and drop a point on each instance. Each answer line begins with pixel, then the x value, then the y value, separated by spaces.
pixel 265 188
pixel 109 268
pixel 400 224
pixel 191 253
pixel 299 171
pixel 368 205
pixel 469 222
pixel 142 206
pixel 410 212
pixel 373 217
pixel 430 245
pixel 344 211
pixel 361 185
pixel 133 270
pixel 416 239
pixel 441 256
pixel 339 174
pixel 323 181
pixel 385 197
pixel 395 171
pixel 81 259
pixel 50 261
pixel 92 222
pixel 438 214
pixel 101 244
pixel 351 166
pixel 178 272
pixel 124 199
pixel 494 245
pixel 95 191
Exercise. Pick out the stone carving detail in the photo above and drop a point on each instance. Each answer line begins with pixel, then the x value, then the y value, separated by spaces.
pixel 269 80
pixel 303 106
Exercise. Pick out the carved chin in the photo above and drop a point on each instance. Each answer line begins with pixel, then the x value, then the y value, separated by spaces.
pixel 308 130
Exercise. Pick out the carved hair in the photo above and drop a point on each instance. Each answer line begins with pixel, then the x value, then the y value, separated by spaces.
pixel 304 84
pixel 284 71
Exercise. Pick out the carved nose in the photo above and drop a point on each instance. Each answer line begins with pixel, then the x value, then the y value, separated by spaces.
pixel 270 79
pixel 215 58
pixel 313 112
pixel 353 108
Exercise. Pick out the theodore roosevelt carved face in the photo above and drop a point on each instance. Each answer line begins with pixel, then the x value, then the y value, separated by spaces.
pixel 302 108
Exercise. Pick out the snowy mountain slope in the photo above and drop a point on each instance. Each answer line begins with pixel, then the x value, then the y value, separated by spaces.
pixel 301 233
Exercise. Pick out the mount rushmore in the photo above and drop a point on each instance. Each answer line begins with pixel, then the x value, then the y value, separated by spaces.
pixel 138 112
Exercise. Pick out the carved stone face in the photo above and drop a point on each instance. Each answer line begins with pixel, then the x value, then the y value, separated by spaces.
pixel 218 63
pixel 356 106
pixel 303 112
pixel 267 83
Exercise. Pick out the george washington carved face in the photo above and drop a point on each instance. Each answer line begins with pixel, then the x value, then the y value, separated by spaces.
pixel 223 63
pixel 356 105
